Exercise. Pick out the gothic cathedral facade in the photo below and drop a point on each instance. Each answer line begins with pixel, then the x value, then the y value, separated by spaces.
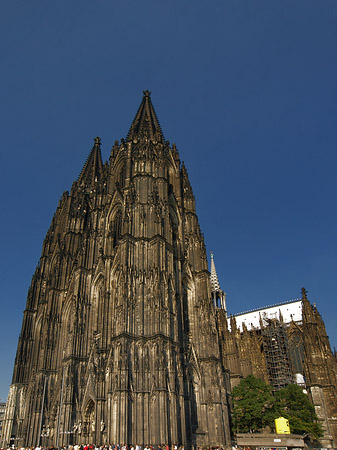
pixel 125 336
pixel 282 351
pixel 119 339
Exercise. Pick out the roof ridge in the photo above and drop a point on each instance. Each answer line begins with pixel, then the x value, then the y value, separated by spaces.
pixel 267 307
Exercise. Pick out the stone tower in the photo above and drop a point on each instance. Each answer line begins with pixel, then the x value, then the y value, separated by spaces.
pixel 119 341
pixel 320 369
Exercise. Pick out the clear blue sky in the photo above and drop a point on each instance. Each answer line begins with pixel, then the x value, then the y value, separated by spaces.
pixel 246 89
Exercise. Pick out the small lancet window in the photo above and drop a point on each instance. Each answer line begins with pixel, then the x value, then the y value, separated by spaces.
pixel 117 228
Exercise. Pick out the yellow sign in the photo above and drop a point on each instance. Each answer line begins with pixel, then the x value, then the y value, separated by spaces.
pixel 282 425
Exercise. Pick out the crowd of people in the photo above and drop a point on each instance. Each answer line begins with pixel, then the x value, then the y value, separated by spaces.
pixel 106 447
pixel 101 447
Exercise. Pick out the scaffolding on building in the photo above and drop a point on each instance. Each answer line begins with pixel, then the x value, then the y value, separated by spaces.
pixel 276 352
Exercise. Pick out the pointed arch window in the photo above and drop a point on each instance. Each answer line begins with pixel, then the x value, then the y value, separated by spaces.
pixel 117 227
pixel 122 176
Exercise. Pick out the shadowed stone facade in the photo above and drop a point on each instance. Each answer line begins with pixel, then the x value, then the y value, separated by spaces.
pixel 119 339
pixel 300 352
pixel 125 335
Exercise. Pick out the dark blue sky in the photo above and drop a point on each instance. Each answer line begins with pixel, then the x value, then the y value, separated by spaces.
pixel 246 89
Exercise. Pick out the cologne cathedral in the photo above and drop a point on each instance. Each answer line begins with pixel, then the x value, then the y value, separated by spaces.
pixel 287 344
pixel 125 336
pixel 119 339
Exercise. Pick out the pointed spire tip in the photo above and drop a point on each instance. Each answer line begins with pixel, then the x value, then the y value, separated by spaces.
pixel 93 167
pixel 215 285
pixel 145 124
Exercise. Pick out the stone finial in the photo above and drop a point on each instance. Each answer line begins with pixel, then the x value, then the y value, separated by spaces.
pixel 233 323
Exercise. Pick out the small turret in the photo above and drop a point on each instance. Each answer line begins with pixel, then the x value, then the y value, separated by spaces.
pixel 307 311
pixel 215 285
pixel 304 294
pixel 261 321
pixel 280 316
pixel 233 324
pixel 186 185
pixel 218 295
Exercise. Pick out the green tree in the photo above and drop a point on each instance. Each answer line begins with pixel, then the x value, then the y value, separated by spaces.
pixel 295 406
pixel 254 405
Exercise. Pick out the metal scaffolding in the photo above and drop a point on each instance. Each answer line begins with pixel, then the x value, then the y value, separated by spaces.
pixel 277 354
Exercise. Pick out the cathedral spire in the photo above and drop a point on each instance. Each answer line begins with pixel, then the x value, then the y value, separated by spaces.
pixel 145 124
pixel 114 262
pixel 215 285
pixel 218 295
pixel 93 167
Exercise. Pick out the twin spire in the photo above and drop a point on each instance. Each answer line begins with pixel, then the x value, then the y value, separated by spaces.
pixel 145 124
pixel 93 167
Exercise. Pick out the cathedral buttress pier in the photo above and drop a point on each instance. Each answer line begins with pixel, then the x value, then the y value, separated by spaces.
pixel 119 341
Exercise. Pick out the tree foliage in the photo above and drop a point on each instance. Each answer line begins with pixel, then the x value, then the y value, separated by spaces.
pixel 255 408
pixel 253 403
pixel 295 406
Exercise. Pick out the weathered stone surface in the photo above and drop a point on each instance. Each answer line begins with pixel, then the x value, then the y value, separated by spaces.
pixel 124 339
pixel 305 351
pixel 111 349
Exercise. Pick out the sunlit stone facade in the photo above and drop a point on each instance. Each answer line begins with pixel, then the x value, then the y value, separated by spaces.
pixel 119 341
